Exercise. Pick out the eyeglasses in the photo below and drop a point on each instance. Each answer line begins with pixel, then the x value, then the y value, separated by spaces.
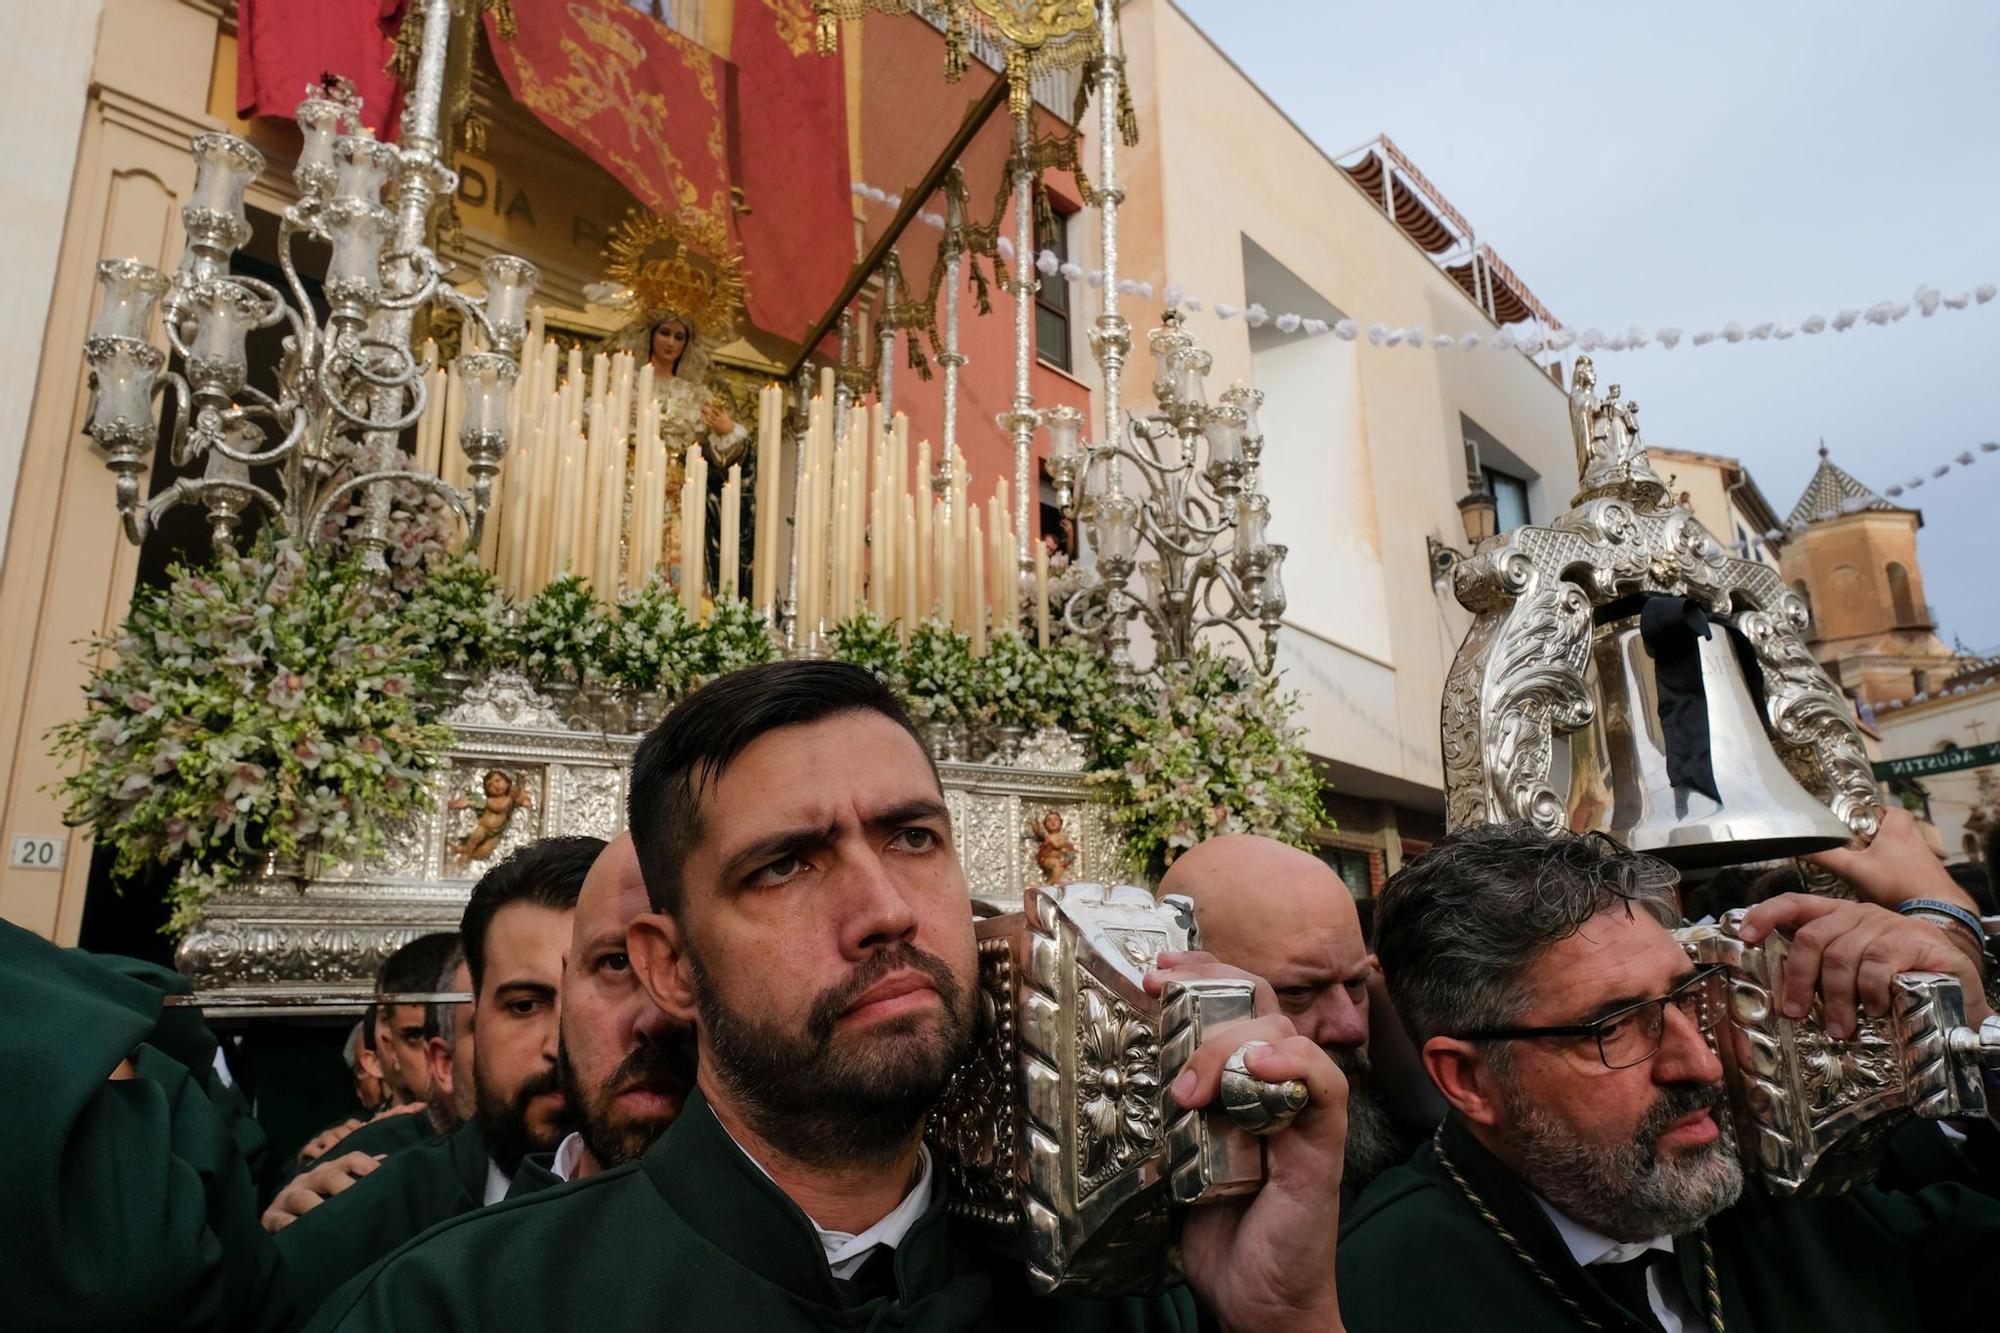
pixel 1628 1036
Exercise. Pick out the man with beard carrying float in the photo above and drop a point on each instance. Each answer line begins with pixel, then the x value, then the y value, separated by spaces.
pixel 1582 1179
pixel 515 931
pixel 812 923
pixel 626 1066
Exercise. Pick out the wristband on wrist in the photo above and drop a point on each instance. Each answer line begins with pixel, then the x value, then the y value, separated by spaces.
pixel 1951 911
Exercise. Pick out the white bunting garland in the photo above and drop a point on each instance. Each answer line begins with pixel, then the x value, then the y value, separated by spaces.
pixel 1925 302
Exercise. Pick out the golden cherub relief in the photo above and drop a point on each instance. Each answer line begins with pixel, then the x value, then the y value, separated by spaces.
pixel 501 795
pixel 1055 854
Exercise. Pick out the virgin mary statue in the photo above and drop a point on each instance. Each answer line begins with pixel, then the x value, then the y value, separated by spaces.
pixel 684 285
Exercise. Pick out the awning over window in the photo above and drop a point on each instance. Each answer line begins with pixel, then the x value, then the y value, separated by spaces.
pixel 1508 307
pixel 1412 215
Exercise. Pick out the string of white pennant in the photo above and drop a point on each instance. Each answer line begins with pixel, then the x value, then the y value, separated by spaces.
pixel 1925 302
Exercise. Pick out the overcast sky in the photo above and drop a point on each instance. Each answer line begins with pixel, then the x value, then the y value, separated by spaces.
pixel 1695 163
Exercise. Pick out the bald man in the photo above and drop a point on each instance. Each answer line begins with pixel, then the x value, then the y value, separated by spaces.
pixel 625 1066
pixel 1284 915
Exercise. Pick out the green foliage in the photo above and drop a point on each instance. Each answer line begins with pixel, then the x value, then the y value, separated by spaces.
pixel 939 675
pixel 564 633
pixel 1011 685
pixel 458 613
pixel 866 640
pixel 736 636
pixel 650 646
pixel 263 705
pixel 1211 750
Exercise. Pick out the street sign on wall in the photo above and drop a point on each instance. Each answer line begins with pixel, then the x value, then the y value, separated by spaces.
pixel 1948 760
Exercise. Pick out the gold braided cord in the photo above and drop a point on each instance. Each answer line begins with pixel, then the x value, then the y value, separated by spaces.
pixel 1711 1278
pixel 918 315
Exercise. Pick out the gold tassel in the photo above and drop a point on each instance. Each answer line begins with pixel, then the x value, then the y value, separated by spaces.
pixel 408 50
pixel 954 45
pixel 1018 93
pixel 826 28
pixel 475 134
pixel 1128 119
pixel 503 17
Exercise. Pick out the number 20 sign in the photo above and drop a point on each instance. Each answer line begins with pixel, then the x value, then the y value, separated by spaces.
pixel 33 852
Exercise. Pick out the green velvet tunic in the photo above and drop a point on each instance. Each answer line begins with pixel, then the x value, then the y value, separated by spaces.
pixel 694 1236
pixel 128 1205
pixel 1872 1259
pixel 408 1194
pixel 383 1136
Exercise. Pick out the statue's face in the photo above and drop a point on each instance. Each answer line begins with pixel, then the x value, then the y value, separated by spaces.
pixel 670 339
pixel 497 784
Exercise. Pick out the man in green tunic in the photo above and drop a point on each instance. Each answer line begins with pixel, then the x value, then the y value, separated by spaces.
pixel 812 924
pixel 128 1205
pixel 1581 1179
pixel 515 930
pixel 448 1104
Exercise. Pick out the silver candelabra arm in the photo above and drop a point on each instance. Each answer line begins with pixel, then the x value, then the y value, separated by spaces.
pixel 346 387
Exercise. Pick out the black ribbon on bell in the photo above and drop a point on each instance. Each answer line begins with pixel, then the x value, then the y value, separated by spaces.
pixel 1671 628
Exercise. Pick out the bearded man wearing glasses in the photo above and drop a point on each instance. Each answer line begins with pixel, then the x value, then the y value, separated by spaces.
pixel 1582 1178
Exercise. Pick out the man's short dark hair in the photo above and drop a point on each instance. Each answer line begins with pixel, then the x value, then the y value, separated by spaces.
pixel 702 735
pixel 437 1016
pixel 414 967
pixel 1456 928
pixel 548 873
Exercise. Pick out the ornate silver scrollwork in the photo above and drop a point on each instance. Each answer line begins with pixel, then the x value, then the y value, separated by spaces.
pixel 323 924
pixel 1811 1112
pixel 1519 680
pixel 1058 1136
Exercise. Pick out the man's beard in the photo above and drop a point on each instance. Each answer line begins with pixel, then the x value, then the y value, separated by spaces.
pixel 504 1121
pixel 1629 1191
pixel 1373 1145
pixel 825 1101
pixel 613 1137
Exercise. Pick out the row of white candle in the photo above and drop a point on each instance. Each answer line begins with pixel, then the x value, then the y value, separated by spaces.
pixel 584 488
pixel 872 536
pixel 581 494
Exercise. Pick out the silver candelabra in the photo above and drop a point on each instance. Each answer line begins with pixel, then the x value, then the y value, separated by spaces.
pixel 345 390
pixel 1202 515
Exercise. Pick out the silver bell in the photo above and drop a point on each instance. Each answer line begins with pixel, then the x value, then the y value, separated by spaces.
pixel 1618 766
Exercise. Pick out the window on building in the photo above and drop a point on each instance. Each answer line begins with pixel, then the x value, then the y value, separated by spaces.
pixel 1799 587
pixel 1052 310
pixel 1510 494
pixel 1901 597
pixel 1352 867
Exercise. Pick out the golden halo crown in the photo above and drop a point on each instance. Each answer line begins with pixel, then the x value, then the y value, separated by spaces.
pixel 659 266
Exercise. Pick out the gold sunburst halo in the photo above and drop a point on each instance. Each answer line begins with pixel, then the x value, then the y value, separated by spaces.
pixel 684 266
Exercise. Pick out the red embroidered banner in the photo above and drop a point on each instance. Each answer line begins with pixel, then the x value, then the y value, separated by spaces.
pixel 282 46
pixel 644 102
pixel 790 153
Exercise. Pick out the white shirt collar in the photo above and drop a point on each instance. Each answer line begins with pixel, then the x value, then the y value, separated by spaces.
pixel 496 1183
pixel 845 1251
pixel 569 1156
pixel 1588 1246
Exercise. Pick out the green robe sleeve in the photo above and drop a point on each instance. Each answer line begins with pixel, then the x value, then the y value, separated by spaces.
pixel 184 1034
pixel 129 1205
pixel 408 1194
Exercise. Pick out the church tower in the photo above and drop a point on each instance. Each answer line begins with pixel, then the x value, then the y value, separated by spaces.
pixel 1853 556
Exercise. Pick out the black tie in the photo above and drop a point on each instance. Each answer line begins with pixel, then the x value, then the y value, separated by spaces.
pixel 1625 1283
pixel 876 1277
